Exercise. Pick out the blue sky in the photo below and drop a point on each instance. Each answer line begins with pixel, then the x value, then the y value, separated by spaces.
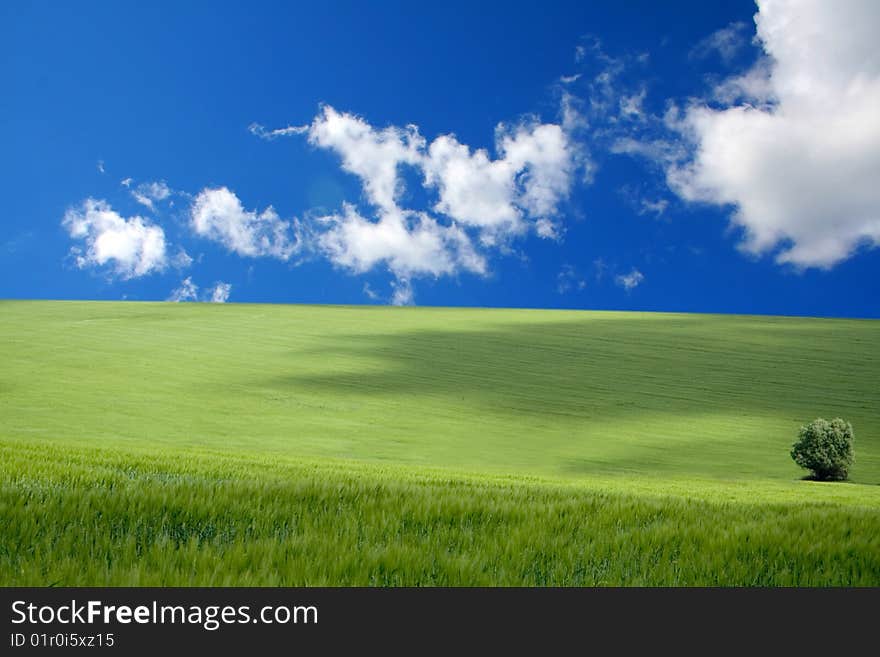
pixel 684 156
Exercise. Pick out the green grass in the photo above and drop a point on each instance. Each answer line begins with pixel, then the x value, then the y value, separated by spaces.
pixel 196 444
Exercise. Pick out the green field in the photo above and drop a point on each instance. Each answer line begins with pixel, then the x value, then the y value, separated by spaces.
pixel 200 444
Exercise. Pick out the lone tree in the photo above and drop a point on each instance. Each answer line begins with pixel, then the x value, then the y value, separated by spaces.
pixel 826 448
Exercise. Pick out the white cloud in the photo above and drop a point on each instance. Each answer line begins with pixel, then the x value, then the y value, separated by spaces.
pixel 100 166
pixel 146 193
pixel 220 292
pixel 126 182
pixel 403 293
pixel 631 106
pixel 573 119
pixel 798 158
pixel 630 280
pixel 132 246
pixel 473 189
pixel 603 84
pixel 409 244
pixel 375 156
pixel 261 132
pixel 531 176
pixel 753 88
pixel 483 200
pixel 372 295
pixel 568 279
pixel 180 261
pixel 727 42
pixel 543 160
pixel 189 291
pixel 218 215
pixel 657 208
pixel 548 230
pixel 662 151
pixel 605 107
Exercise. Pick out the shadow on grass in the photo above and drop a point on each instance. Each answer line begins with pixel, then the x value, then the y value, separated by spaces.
pixel 602 368
pixel 826 480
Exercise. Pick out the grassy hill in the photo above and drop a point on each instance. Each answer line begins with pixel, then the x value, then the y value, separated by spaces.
pixel 153 443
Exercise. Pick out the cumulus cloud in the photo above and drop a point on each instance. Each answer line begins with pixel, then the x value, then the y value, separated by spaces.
pixel 479 202
pixel 189 291
pixel 543 159
pixel 374 156
pixel 530 177
pixel 131 247
pixel 218 214
pixel 146 193
pixel 630 280
pixel 409 244
pixel 473 188
pixel 797 152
